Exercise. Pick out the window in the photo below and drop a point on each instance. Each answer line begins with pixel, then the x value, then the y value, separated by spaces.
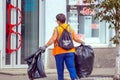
pixel 81 17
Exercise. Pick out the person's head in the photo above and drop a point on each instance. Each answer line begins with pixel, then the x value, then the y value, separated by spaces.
pixel 60 18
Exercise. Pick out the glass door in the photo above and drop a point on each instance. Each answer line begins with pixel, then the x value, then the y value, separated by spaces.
pixel 22 31
pixel 13 33
pixel 29 28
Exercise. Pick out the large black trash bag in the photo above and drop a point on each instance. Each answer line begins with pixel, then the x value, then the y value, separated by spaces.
pixel 35 66
pixel 84 59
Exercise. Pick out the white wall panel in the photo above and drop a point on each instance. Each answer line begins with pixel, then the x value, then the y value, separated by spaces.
pixel 52 8
pixel 2 29
pixel 1 24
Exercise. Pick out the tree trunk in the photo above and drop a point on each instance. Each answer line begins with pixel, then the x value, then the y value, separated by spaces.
pixel 117 67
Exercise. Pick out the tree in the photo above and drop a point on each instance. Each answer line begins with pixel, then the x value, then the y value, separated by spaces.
pixel 109 11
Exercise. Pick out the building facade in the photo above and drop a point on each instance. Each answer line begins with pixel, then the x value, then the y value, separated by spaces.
pixel 28 24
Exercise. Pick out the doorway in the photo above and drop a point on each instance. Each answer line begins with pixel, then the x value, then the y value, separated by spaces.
pixel 22 31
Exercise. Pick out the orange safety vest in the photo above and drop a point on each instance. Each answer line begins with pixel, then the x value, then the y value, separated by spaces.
pixel 58 50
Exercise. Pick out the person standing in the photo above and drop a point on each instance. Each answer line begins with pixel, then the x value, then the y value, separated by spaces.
pixel 61 55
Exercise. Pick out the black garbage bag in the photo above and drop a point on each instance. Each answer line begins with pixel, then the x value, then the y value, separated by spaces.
pixel 35 66
pixel 84 59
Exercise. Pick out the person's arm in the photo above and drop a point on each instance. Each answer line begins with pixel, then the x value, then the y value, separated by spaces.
pixel 77 38
pixel 52 39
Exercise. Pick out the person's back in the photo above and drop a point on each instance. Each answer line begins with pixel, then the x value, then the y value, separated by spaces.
pixel 57 49
pixel 62 55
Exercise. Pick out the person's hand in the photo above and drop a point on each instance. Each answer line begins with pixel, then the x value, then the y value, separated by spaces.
pixel 83 43
pixel 43 48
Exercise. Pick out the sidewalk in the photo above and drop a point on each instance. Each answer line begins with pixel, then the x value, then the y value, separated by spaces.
pixel 107 72
pixel 17 74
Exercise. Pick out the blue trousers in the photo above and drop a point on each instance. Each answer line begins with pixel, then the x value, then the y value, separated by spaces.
pixel 68 58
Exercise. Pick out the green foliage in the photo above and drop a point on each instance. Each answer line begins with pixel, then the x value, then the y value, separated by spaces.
pixel 115 39
pixel 109 11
